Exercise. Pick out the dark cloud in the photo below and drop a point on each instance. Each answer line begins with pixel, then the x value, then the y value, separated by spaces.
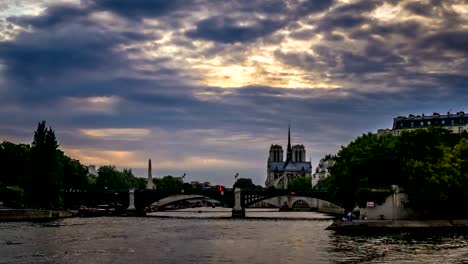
pixel 64 44
pixel 138 9
pixel 358 64
pixel 228 30
pixel 272 7
pixel 409 28
pixel 52 16
pixel 301 60
pixel 246 26
pixel 419 8
pixel 313 7
pixel 334 37
pixel 450 40
pixel 356 8
pixel 346 22
pixel 73 49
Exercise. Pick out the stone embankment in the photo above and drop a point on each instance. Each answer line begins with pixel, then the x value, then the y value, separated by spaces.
pixel 8 215
pixel 397 224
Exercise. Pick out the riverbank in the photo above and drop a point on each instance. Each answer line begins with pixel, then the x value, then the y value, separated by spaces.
pixel 358 225
pixel 15 215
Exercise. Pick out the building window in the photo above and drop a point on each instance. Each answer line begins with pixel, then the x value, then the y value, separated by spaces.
pixel 428 123
pixel 452 122
pixel 422 123
pixel 412 124
pixel 443 122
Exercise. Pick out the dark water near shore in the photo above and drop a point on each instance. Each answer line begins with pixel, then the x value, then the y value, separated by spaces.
pixel 217 240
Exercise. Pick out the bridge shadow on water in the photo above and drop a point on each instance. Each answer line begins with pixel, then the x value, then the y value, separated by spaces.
pixel 251 214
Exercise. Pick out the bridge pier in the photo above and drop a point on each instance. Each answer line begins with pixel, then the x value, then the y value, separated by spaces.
pixel 238 211
pixel 131 199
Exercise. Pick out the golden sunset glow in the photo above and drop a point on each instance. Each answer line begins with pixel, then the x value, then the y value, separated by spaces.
pixel 127 133
pixel 101 157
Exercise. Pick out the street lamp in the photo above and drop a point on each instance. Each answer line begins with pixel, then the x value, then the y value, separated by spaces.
pixel 183 177
pixel 235 176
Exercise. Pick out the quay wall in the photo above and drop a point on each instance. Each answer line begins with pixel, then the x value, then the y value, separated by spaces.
pixel 7 215
pixel 395 225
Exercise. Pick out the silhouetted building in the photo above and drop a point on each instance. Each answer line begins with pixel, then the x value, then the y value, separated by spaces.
pixel 457 123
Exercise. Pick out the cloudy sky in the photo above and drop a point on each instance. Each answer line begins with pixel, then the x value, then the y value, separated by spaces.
pixel 204 87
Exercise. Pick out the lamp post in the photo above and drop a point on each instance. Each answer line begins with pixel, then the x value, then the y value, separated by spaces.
pixel 183 177
pixel 235 177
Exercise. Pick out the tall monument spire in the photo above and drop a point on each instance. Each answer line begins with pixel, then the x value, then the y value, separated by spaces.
pixel 150 172
pixel 149 183
pixel 289 153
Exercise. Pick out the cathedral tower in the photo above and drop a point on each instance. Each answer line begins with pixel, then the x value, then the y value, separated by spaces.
pixel 279 171
pixel 276 154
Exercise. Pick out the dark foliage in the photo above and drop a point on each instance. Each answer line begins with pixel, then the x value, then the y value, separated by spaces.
pixel 429 164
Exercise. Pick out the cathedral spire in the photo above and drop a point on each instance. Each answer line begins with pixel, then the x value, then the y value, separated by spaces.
pixel 289 153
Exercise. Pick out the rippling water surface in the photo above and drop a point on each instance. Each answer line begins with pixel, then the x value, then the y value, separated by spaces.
pixel 204 236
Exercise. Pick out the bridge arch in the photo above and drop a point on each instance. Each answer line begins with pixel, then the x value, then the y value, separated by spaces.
pixel 160 204
pixel 315 204
pixel 146 198
pixel 301 204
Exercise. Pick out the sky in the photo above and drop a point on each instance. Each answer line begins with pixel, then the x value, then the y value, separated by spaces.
pixel 205 87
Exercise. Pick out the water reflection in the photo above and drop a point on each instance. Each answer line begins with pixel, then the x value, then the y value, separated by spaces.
pixel 423 246
pixel 216 240
pixel 221 212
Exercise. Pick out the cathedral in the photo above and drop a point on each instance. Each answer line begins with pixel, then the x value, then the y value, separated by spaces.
pixel 280 171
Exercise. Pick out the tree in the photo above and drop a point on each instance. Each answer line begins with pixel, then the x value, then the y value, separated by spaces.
pixel 433 162
pixel 245 183
pixel 15 161
pixel 75 175
pixel 370 161
pixel 45 181
pixel 429 164
pixel 109 178
pixel 168 183
pixel 300 183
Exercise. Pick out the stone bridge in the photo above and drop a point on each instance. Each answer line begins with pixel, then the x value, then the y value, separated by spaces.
pixel 244 198
pixel 145 198
pixel 238 199
pixel 177 198
pixel 315 204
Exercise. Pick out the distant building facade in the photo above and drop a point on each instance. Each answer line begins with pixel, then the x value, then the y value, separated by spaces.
pixel 322 171
pixel 457 123
pixel 92 170
pixel 280 171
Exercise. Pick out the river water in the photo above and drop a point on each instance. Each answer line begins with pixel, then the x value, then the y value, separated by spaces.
pixel 205 236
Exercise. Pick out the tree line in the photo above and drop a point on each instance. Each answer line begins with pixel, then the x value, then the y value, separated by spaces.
pixel 35 175
pixel 430 165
